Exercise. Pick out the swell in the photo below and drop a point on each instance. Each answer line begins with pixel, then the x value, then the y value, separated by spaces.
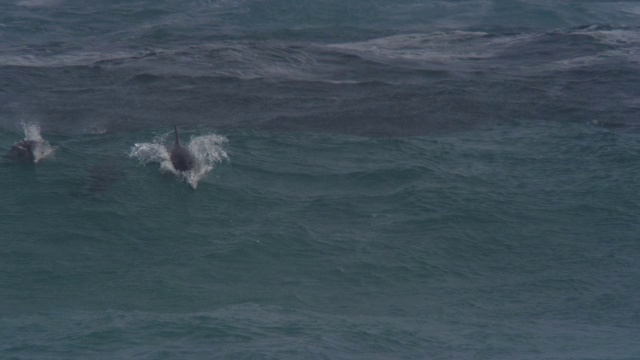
pixel 397 235
pixel 400 85
pixel 236 331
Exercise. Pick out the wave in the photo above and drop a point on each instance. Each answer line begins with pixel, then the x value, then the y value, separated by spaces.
pixel 208 151
pixel 600 42
pixel 39 3
pixel 79 58
pixel 459 50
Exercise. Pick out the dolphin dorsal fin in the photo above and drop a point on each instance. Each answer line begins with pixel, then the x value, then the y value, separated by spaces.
pixel 175 128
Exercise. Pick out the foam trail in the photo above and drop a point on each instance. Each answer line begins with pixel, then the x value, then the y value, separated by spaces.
pixel 208 150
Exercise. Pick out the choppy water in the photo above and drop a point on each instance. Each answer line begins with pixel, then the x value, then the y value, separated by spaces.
pixel 406 179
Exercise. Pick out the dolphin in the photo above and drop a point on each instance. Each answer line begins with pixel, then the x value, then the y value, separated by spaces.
pixel 24 150
pixel 181 157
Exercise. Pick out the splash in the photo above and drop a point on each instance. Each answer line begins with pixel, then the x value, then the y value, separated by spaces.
pixel 41 148
pixel 208 150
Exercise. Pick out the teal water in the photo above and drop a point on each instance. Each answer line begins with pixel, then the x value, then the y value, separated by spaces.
pixel 375 180
pixel 506 241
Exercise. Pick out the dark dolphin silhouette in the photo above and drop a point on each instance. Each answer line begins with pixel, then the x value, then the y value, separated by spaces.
pixel 23 150
pixel 181 157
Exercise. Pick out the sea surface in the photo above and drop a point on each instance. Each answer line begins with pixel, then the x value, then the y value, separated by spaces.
pixel 376 179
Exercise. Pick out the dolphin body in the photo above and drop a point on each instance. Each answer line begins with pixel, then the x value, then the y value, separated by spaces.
pixel 24 150
pixel 180 156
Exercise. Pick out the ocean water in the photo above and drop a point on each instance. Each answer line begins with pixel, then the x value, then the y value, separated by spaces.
pixel 403 179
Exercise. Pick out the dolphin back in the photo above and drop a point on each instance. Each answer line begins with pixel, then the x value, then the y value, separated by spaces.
pixel 180 156
pixel 177 141
pixel 22 150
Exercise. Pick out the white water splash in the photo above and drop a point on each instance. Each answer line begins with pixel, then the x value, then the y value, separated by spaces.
pixel 41 148
pixel 207 150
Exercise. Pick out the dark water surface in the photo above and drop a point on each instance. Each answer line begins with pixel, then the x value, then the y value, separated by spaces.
pixel 377 180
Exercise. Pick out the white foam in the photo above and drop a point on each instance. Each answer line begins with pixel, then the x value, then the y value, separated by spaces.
pixel 442 47
pixel 150 152
pixel 42 148
pixel 208 150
